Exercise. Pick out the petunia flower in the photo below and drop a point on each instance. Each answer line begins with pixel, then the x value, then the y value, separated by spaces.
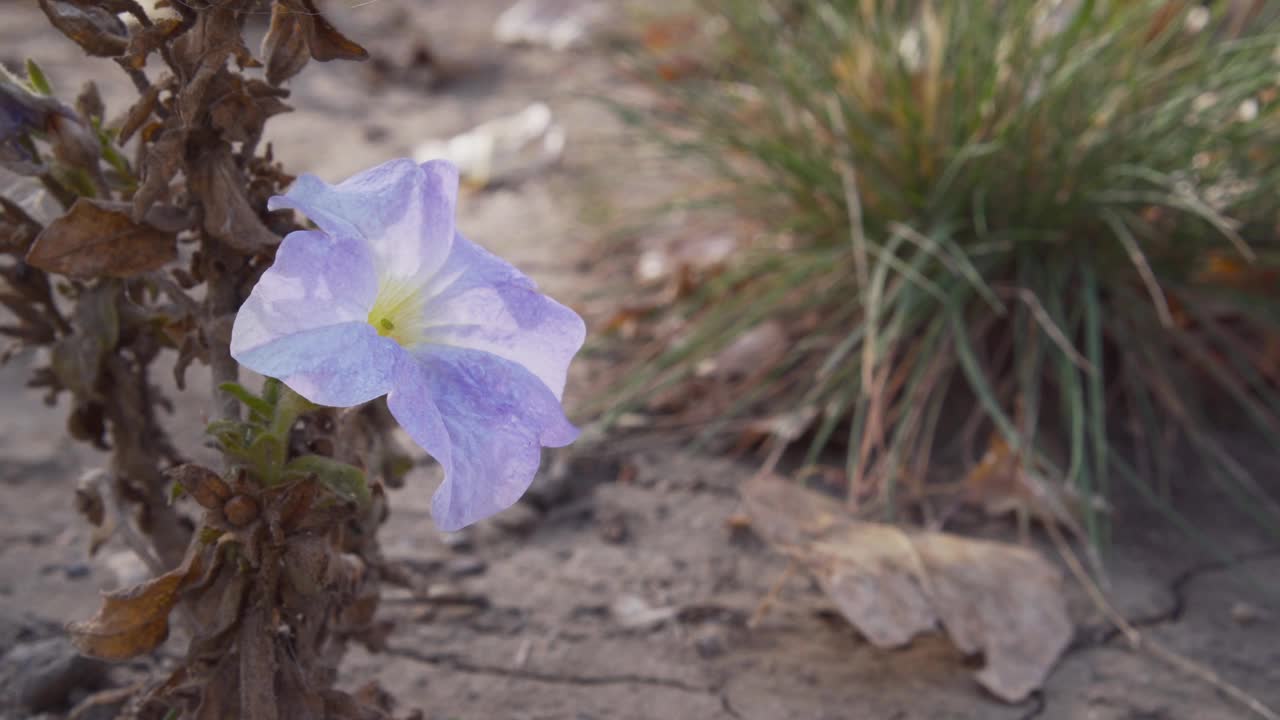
pixel 387 298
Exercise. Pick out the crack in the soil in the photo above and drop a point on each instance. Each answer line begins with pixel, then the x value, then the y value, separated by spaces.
pixel 1178 590
pixel 1091 637
pixel 457 663
pixel 1040 702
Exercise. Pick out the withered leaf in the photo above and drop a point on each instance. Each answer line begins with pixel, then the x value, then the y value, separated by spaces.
pixel 148 39
pixel 96 239
pixel 76 359
pixel 227 213
pixel 754 352
pixel 1003 601
pixel 239 113
pixel 162 160
pixel 285 45
pixel 203 484
pixel 96 30
pixel 89 102
pixel 323 39
pixel 219 698
pixel 17 228
pixel 135 620
pixel 138 114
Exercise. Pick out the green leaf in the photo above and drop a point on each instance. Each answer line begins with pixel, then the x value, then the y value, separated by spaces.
pixel 266 458
pixel 345 480
pixel 257 405
pixel 37 79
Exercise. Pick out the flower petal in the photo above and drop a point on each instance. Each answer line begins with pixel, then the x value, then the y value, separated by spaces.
pixel 336 365
pixel 316 280
pixel 479 301
pixel 306 322
pixel 403 210
pixel 485 420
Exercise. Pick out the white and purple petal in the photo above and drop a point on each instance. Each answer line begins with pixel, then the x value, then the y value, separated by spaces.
pixel 479 301
pixel 306 322
pixel 402 210
pixel 485 420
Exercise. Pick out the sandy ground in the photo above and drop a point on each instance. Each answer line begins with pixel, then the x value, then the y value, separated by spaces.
pixel 541 636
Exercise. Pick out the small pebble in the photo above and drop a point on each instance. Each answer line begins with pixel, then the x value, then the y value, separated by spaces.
pixel 709 643
pixel 466 567
pixel 519 519
pixel 1246 614
pixel 457 541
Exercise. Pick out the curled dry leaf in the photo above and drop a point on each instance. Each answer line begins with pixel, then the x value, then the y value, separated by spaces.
pixel 148 39
pixel 227 213
pixel 96 239
pixel 285 45
pixel 17 229
pixel 162 160
pixel 76 359
pixel 135 620
pixel 138 114
pixel 95 29
pixel 240 112
pixel 892 584
pixel 202 484
pixel 322 38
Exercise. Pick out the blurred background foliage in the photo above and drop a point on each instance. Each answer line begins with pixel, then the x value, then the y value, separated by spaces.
pixel 1035 238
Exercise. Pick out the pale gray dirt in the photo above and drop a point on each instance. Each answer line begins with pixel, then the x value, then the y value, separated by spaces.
pixel 544 643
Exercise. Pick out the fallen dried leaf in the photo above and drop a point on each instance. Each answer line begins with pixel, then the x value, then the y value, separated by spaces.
pixel 96 239
pixel 135 620
pixel 1002 601
pixel 754 352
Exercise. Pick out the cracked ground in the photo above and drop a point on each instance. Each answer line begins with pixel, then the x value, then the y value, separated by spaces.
pixel 521 619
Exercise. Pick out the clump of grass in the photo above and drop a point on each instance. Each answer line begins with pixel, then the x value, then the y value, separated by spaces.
pixel 1065 211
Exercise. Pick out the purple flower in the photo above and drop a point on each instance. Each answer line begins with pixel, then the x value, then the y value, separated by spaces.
pixel 386 298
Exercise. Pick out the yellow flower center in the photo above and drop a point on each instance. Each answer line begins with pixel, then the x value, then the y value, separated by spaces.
pixel 397 312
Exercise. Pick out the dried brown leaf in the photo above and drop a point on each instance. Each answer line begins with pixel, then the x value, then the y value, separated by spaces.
pixel 220 695
pixel 753 353
pixel 285 45
pixel 76 359
pixel 239 113
pixel 323 39
pixel 162 160
pixel 148 39
pixel 96 30
pixel 1003 601
pixel 202 484
pixel 227 213
pixel 96 239
pixel 17 229
pixel 138 114
pixel 89 103
pixel 135 620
